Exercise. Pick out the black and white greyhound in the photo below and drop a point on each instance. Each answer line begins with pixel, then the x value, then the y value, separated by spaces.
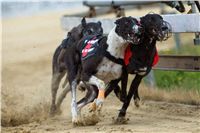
pixel 64 52
pixel 144 56
pixel 103 66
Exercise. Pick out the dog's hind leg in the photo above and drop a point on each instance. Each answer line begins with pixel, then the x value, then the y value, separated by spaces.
pixel 62 96
pixel 92 92
pixel 113 85
pixel 120 93
pixel 65 83
pixel 56 78
pixel 97 104
pixel 66 87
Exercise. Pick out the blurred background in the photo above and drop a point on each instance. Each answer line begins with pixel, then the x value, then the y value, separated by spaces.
pixel 31 31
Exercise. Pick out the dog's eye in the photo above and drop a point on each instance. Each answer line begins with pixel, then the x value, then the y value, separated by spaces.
pixel 100 31
pixel 89 31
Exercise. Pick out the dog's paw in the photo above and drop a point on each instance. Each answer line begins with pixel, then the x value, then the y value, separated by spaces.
pixel 96 105
pixel 137 102
pixel 121 120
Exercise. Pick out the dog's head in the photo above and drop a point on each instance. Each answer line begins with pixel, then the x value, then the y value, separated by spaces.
pixel 156 27
pixel 91 28
pixel 129 29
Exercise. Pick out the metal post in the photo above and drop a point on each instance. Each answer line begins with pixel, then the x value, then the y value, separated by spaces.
pixel 177 41
pixel 150 79
pixel 197 34
pixel 92 12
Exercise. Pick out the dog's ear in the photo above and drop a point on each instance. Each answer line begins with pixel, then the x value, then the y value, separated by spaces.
pixel 145 20
pixel 69 34
pixel 118 21
pixel 142 19
pixel 130 17
pixel 99 23
pixel 83 22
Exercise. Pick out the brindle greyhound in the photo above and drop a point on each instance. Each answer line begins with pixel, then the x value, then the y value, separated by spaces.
pixel 65 51
pixel 100 69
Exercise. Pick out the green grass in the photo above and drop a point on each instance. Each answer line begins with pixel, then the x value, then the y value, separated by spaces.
pixel 179 79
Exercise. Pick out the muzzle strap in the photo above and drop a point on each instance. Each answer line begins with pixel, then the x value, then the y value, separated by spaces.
pixel 166 32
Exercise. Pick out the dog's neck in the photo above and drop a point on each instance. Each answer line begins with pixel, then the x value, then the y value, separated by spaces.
pixel 116 44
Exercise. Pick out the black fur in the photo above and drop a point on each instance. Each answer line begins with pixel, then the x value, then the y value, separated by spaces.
pixel 154 26
pixel 89 66
pixel 124 28
pixel 66 54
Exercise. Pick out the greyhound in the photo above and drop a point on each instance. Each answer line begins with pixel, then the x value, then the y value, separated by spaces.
pixel 103 66
pixel 144 56
pixel 64 51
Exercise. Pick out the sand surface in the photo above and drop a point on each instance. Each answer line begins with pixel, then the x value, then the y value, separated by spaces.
pixel 150 117
pixel 28 46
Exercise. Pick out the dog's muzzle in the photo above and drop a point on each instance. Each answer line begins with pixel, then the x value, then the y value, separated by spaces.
pixel 165 31
pixel 134 36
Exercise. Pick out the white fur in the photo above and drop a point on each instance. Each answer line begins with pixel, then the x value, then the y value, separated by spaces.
pixel 73 103
pixel 108 70
pixel 99 83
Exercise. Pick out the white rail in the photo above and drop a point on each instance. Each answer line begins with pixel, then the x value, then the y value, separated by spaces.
pixel 179 22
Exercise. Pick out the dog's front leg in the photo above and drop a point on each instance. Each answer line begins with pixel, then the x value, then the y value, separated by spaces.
pixel 76 120
pixel 124 80
pixel 134 86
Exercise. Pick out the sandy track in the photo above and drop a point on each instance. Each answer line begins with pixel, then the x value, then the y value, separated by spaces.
pixel 150 117
pixel 28 45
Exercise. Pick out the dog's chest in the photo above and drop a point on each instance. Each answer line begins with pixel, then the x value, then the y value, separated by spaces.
pixel 108 70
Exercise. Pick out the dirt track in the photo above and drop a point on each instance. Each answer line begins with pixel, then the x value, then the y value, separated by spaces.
pixel 150 117
pixel 28 45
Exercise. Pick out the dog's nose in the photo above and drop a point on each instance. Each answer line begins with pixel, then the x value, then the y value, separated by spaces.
pixel 140 28
pixel 164 28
